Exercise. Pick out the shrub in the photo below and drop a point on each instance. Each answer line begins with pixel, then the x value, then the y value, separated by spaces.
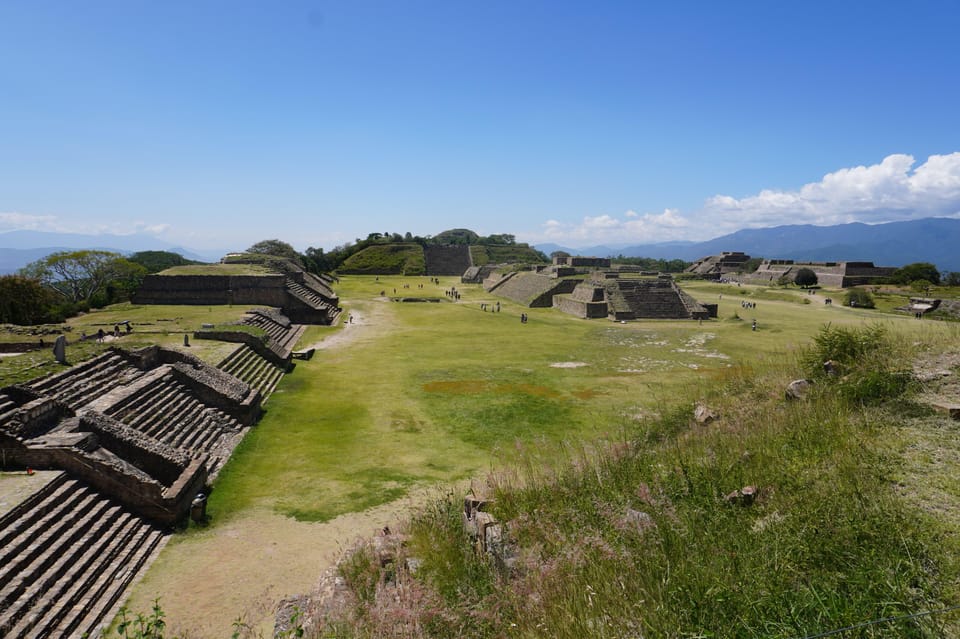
pixel 866 360
pixel 859 298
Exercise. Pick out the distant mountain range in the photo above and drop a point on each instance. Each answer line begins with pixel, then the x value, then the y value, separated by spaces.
pixel 19 248
pixel 935 240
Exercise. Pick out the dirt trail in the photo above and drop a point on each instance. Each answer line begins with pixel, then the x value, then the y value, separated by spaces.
pixel 242 568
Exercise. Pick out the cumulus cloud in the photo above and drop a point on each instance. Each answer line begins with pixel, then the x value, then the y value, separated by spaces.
pixel 893 190
pixel 889 191
pixel 630 227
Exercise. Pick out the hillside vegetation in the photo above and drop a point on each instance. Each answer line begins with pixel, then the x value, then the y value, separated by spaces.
pixel 505 254
pixel 386 259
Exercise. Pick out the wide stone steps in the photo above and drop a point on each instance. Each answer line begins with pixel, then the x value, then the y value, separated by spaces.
pixel 67 555
pixel 168 412
pixel 87 381
pixel 245 364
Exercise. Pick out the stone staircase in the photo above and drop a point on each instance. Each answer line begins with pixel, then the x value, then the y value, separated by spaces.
pixel 84 382
pixel 283 334
pixel 647 299
pixel 447 260
pixel 67 554
pixel 245 364
pixel 312 299
pixel 167 411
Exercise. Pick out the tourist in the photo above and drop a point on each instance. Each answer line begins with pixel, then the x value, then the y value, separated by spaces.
pixel 100 335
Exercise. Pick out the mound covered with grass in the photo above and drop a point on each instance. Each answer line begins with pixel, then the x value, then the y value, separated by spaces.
pixel 386 259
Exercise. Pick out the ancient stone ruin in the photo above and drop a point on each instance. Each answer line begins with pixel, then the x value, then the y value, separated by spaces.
pixel 304 297
pixel 832 274
pixel 589 288
pixel 133 437
pixel 717 267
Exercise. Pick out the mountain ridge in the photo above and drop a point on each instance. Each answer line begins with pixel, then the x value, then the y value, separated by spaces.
pixel 932 240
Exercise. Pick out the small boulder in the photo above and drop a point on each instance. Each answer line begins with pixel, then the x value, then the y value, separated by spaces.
pixel 743 497
pixel 640 519
pixel 703 414
pixel 798 388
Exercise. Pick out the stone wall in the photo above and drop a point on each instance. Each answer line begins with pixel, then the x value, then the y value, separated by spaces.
pixel 266 290
pixel 447 260
pixel 579 308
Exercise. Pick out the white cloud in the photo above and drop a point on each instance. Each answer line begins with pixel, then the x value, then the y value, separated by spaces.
pixel 15 221
pixel 889 191
pixel 631 227
pixel 895 189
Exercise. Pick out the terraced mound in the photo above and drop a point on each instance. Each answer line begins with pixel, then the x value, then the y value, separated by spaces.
pixel 531 289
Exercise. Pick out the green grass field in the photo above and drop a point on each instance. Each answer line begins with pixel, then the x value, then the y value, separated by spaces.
pixel 441 391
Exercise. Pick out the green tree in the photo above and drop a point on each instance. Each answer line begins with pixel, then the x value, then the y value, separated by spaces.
pixel 277 248
pixel 859 298
pixel 125 278
pixel 805 277
pixel 917 271
pixel 23 300
pixel 952 278
pixel 76 276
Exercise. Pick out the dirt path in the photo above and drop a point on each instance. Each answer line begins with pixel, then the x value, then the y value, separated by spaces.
pixel 243 568
pixel 362 321
pixel 207 580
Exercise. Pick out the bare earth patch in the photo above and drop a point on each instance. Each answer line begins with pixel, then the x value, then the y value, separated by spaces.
pixel 243 568
pixel 568 364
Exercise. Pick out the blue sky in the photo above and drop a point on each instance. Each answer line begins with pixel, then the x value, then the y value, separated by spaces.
pixel 217 124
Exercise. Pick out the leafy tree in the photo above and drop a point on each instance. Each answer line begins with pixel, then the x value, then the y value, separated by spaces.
pixel 559 254
pixel 917 271
pixel 805 277
pixel 23 301
pixel 278 248
pixel 76 276
pixel 125 278
pixel 456 236
pixel 859 298
pixel 952 278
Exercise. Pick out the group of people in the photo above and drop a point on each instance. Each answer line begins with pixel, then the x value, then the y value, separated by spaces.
pixel 493 308
pixel 102 334
pixel 748 304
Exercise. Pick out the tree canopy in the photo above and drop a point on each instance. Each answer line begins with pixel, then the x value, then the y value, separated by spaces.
pixel 805 277
pixel 77 276
pixel 917 271
pixel 277 248
pixel 23 301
